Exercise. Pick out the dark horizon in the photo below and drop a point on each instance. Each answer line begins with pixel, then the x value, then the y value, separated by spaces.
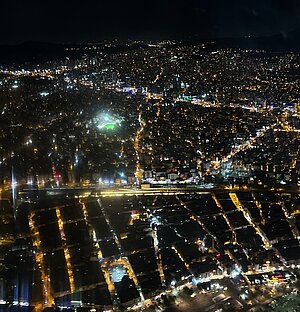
pixel 148 39
pixel 156 20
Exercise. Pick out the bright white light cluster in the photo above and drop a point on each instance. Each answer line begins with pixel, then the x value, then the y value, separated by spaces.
pixel 106 121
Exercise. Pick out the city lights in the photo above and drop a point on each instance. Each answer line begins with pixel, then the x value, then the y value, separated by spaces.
pixel 150 175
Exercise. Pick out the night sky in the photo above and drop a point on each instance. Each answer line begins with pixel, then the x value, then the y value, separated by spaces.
pixel 90 20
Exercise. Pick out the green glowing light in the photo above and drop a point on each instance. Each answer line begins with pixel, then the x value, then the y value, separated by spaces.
pixel 110 126
pixel 107 122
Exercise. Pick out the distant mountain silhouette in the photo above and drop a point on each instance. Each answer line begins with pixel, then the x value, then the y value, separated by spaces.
pixel 278 43
pixel 31 52
pixel 39 52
